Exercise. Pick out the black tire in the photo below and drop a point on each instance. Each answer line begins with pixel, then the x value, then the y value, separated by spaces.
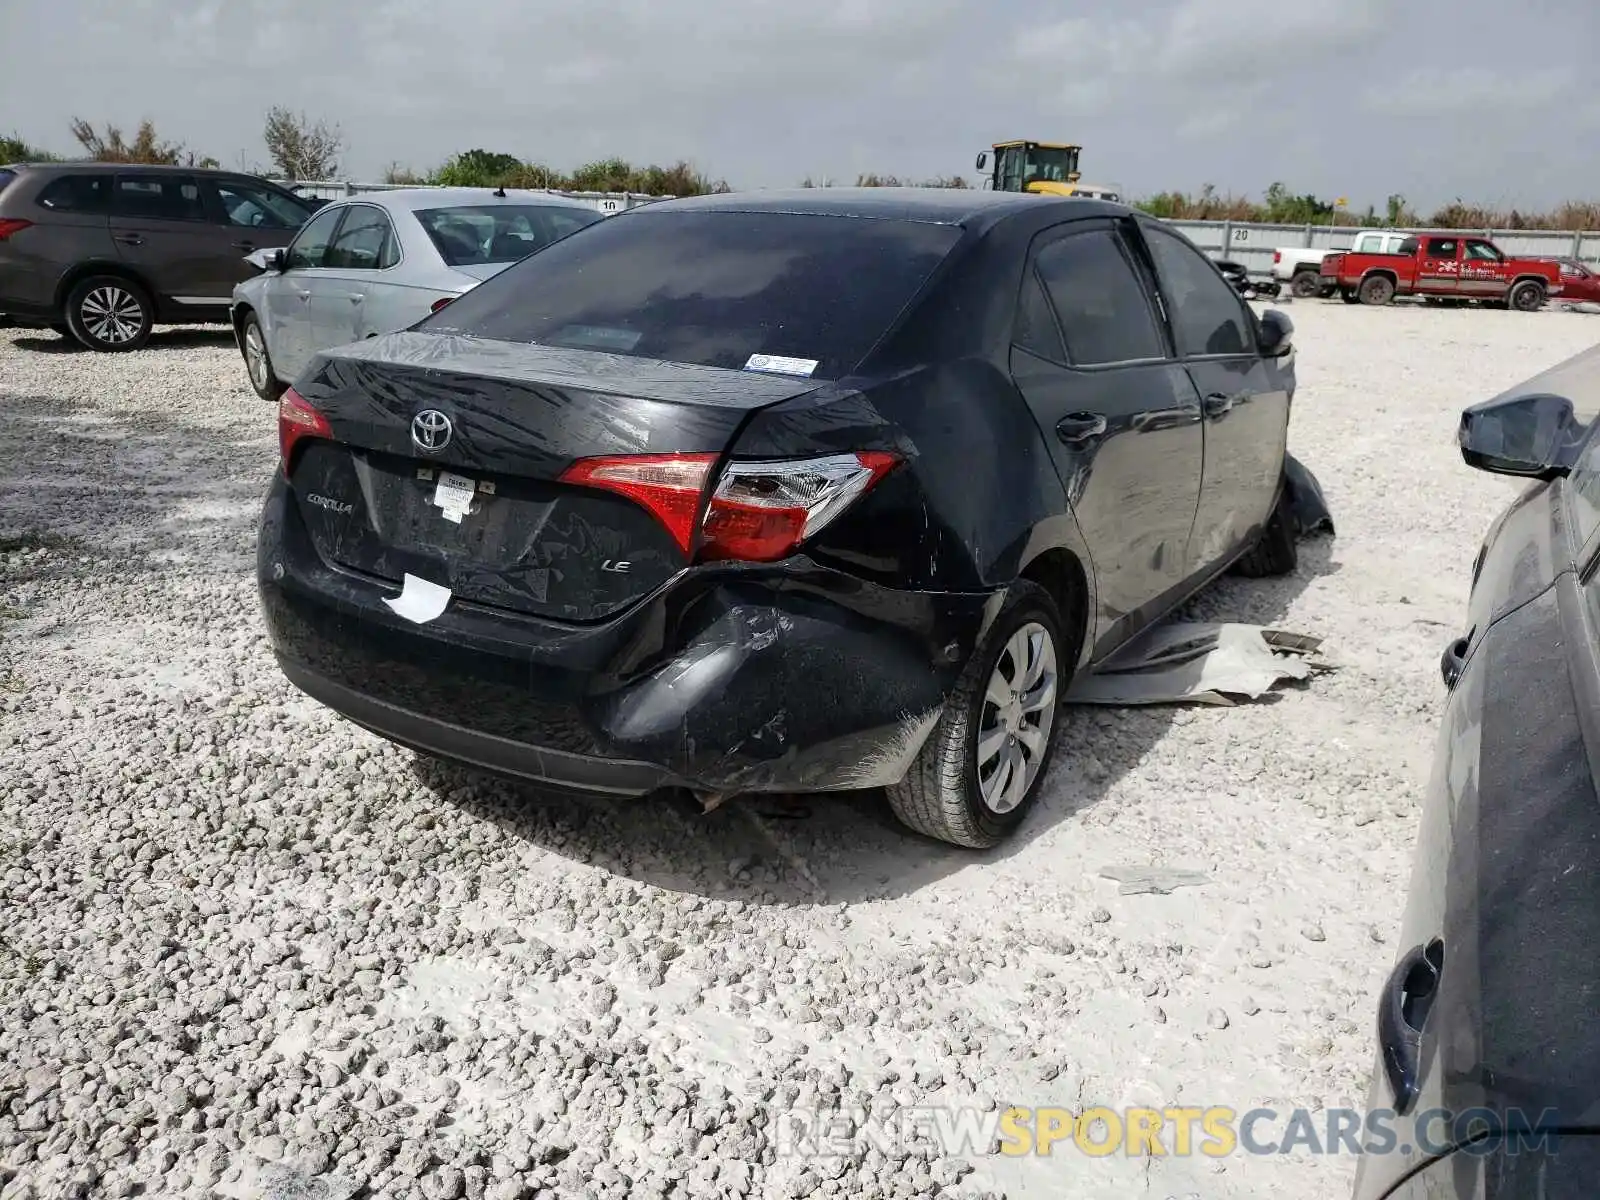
pixel 109 313
pixel 263 380
pixel 1377 289
pixel 941 795
pixel 1276 551
pixel 1305 285
pixel 1350 295
pixel 1527 296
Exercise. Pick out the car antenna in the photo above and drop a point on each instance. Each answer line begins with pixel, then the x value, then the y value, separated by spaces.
pixel 501 191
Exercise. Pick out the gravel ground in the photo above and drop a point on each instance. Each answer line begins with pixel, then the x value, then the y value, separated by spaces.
pixel 253 950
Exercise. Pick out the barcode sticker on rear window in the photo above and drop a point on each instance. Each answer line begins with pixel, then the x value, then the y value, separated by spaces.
pixel 778 365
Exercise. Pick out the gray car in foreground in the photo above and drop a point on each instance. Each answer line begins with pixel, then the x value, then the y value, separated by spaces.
pixel 381 261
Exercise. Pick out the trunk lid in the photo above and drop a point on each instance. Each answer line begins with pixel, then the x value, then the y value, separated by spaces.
pixel 518 415
pixel 478 272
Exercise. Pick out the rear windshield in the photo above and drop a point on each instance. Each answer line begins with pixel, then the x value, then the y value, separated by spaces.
pixel 499 233
pixel 800 294
pixel 6 176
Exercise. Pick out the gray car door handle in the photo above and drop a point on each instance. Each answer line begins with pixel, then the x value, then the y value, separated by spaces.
pixel 355 297
pixel 130 239
pixel 304 296
pixel 1216 404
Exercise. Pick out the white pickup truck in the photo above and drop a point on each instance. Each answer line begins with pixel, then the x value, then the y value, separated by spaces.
pixel 1301 266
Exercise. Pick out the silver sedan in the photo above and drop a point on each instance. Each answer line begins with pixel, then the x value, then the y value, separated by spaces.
pixel 381 261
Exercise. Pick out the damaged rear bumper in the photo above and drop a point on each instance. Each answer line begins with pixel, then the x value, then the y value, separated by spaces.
pixel 789 677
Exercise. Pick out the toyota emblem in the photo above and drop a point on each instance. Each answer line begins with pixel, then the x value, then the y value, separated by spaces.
pixel 431 430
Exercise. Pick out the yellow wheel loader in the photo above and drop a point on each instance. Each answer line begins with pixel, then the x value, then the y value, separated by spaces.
pixel 1045 168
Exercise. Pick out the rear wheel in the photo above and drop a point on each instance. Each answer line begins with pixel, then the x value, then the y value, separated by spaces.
pixel 1276 552
pixel 1305 285
pixel 978 774
pixel 1527 296
pixel 1377 289
pixel 109 313
pixel 257 362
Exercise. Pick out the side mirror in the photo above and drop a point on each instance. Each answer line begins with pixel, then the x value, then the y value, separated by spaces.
pixel 267 259
pixel 983 160
pixel 1533 436
pixel 1276 336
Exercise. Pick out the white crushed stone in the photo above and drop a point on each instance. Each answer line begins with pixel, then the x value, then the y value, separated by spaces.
pixel 251 950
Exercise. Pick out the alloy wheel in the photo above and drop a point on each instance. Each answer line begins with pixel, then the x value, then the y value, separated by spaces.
pixel 255 356
pixel 1019 708
pixel 112 314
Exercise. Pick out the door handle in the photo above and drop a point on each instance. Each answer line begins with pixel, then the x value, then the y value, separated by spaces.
pixel 130 239
pixel 304 296
pixel 1216 404
pixel 1078 428
pixel 1403 1011
pixel 355 297
pixel 1454 660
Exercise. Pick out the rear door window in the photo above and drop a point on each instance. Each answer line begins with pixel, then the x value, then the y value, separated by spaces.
pixel 714 289
pixel 77 194
pixel 1207 316
pixel 1104 312
pixel 159 198
pixel 6 178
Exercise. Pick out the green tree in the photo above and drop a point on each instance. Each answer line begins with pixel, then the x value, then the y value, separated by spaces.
pixel 146 146
pixel 477 168
pixel 299 148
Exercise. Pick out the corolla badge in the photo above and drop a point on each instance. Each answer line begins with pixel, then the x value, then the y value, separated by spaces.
pixel 431 430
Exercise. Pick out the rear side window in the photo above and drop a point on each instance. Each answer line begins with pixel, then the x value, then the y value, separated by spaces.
pixel 77 194
pixel 470 235
pixel 6 178
pixel 1036 330
pixel 1104 312
pixel 1207 315
pixel 159 198
pixel 1441 247
pixel 712 288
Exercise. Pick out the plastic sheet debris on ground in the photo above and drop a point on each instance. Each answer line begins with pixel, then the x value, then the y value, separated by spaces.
pixel 1152 880
pixel 1201 663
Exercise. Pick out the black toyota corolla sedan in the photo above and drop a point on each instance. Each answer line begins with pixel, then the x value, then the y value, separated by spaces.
pixel 1488 1052
pixel 802 491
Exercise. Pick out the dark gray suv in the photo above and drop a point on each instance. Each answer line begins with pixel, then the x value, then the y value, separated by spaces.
pixel 102 251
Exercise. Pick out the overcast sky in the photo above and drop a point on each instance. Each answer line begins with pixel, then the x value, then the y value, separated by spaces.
pixel 1432 98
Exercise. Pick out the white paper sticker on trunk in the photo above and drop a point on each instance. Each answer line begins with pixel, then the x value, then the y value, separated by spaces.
pixel 453 495
pixel 419 600
pixel 778 365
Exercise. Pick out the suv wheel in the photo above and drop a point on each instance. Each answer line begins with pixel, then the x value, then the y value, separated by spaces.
pixel 257 362
pixel 109 313
pixel 978 774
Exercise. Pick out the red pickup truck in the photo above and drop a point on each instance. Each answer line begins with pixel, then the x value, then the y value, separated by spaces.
pixel 1445 265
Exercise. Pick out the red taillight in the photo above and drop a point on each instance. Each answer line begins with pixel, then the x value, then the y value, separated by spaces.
pixel 10 225
pixel 758 512
pixel 762 511
pixel 440 303
pixel 669 485
pixel 296 420
pixel 1277 257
